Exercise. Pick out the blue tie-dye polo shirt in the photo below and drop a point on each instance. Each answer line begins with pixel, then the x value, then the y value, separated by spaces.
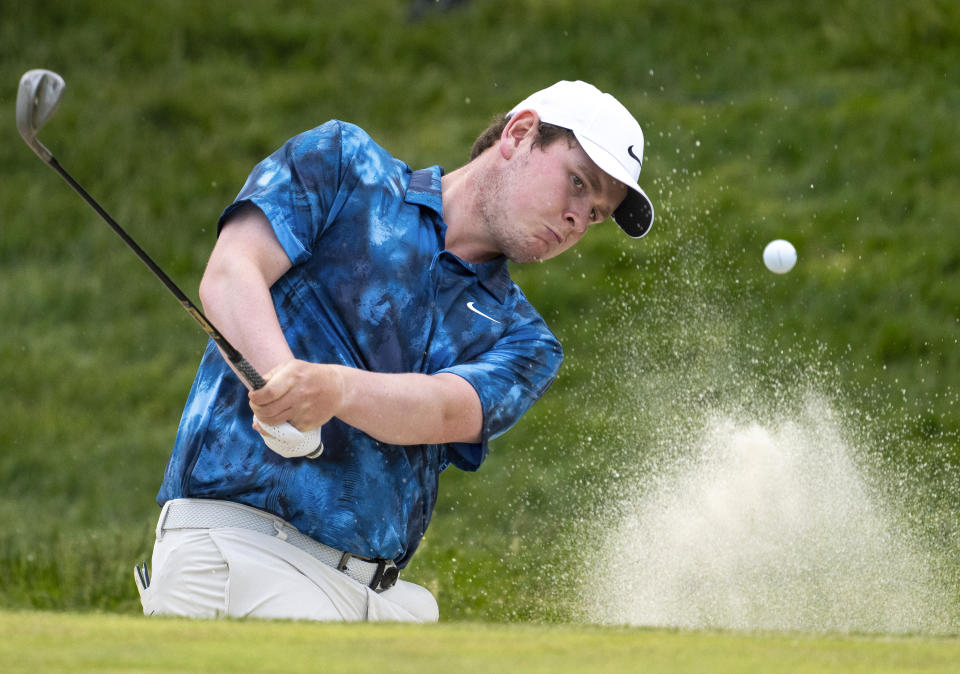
pixel 371 287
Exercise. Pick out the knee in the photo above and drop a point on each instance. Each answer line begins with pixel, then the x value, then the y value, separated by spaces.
pixel 417 600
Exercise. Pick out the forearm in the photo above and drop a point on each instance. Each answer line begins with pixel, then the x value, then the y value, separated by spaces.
pixel 411 409
pixel 235 290
pixel 405 409
pixel 241 308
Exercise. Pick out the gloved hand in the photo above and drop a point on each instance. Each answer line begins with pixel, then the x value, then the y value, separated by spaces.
pixel 291 443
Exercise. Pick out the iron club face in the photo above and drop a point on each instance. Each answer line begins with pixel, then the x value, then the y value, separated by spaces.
pixel 37 99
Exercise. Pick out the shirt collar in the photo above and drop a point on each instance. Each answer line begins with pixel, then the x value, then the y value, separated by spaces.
pixel 424 189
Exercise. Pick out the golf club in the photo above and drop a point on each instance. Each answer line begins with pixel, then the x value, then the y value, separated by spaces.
pixel 37 99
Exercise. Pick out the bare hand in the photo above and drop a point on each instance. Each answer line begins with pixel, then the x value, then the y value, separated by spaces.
pixel 307 395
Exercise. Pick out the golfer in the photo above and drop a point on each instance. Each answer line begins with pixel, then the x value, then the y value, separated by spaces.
pixel 378 301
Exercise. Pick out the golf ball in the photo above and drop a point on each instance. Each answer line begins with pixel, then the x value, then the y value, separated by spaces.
pixel 779 256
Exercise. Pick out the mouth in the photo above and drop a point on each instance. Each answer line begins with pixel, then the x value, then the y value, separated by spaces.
pixel 556 237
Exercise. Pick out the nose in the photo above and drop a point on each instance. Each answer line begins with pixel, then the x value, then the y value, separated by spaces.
pixel 577 219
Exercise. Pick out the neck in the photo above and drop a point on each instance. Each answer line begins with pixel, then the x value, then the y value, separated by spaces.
pixel 466 235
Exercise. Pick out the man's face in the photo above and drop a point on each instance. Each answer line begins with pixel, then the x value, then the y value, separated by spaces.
pixel 546 198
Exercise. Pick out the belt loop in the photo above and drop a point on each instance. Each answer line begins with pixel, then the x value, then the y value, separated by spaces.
pixel 278 526
pixel 162 520
pixel 342 564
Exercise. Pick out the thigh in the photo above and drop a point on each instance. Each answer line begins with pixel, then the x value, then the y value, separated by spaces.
pixel 272 579
pixel 189 576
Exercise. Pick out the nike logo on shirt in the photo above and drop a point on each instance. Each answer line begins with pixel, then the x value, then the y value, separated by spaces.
pixel 477 311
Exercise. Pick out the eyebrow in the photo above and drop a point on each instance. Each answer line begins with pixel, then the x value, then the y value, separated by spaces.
pixel 591 176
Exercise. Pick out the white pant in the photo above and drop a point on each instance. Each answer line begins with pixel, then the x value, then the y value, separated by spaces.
pixel 206 573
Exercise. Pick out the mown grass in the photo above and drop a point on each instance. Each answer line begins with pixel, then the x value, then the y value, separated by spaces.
pixel 831 125
pixel 70 643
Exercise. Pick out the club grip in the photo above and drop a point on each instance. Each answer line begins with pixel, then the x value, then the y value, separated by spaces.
pixel 249 374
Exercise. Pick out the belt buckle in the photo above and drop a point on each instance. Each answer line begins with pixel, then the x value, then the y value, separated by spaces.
pixel 386 576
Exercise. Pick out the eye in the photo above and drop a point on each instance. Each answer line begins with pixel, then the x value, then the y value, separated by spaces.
pixel 577 182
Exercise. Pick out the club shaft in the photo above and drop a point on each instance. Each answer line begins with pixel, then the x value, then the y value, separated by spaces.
pixel 242 366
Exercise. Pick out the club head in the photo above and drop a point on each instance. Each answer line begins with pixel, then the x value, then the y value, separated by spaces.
pixel 37 99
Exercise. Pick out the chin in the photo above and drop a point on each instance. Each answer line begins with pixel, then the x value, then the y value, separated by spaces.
pixel 535 257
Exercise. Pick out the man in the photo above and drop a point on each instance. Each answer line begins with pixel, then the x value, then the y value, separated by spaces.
pixel 378 301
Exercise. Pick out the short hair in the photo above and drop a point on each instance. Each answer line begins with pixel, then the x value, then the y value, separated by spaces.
pixel 547 134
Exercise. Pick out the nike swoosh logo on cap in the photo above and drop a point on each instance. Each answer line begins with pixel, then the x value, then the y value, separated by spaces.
pixel 477 311
pixel 630 152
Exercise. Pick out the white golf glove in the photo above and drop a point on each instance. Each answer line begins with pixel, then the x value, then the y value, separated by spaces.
pixel 291 443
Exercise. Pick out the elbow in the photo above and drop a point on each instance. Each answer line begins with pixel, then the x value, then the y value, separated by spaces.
pixel 206 292
pixel 211 289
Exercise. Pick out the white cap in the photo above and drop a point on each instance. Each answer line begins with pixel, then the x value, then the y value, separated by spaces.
pixel 609 135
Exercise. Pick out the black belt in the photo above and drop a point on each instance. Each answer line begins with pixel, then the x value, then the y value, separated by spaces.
pixel 193 513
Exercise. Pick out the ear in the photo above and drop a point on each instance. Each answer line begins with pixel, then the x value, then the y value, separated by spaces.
pixel 523 124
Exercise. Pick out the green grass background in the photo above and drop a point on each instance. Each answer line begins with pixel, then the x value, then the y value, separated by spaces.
pixel 832 124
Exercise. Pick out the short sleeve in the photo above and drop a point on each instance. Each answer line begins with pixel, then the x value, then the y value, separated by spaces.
pixel 297 186
pixel 509 379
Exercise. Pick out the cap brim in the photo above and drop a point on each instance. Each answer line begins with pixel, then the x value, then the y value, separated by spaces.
pixel 635 213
